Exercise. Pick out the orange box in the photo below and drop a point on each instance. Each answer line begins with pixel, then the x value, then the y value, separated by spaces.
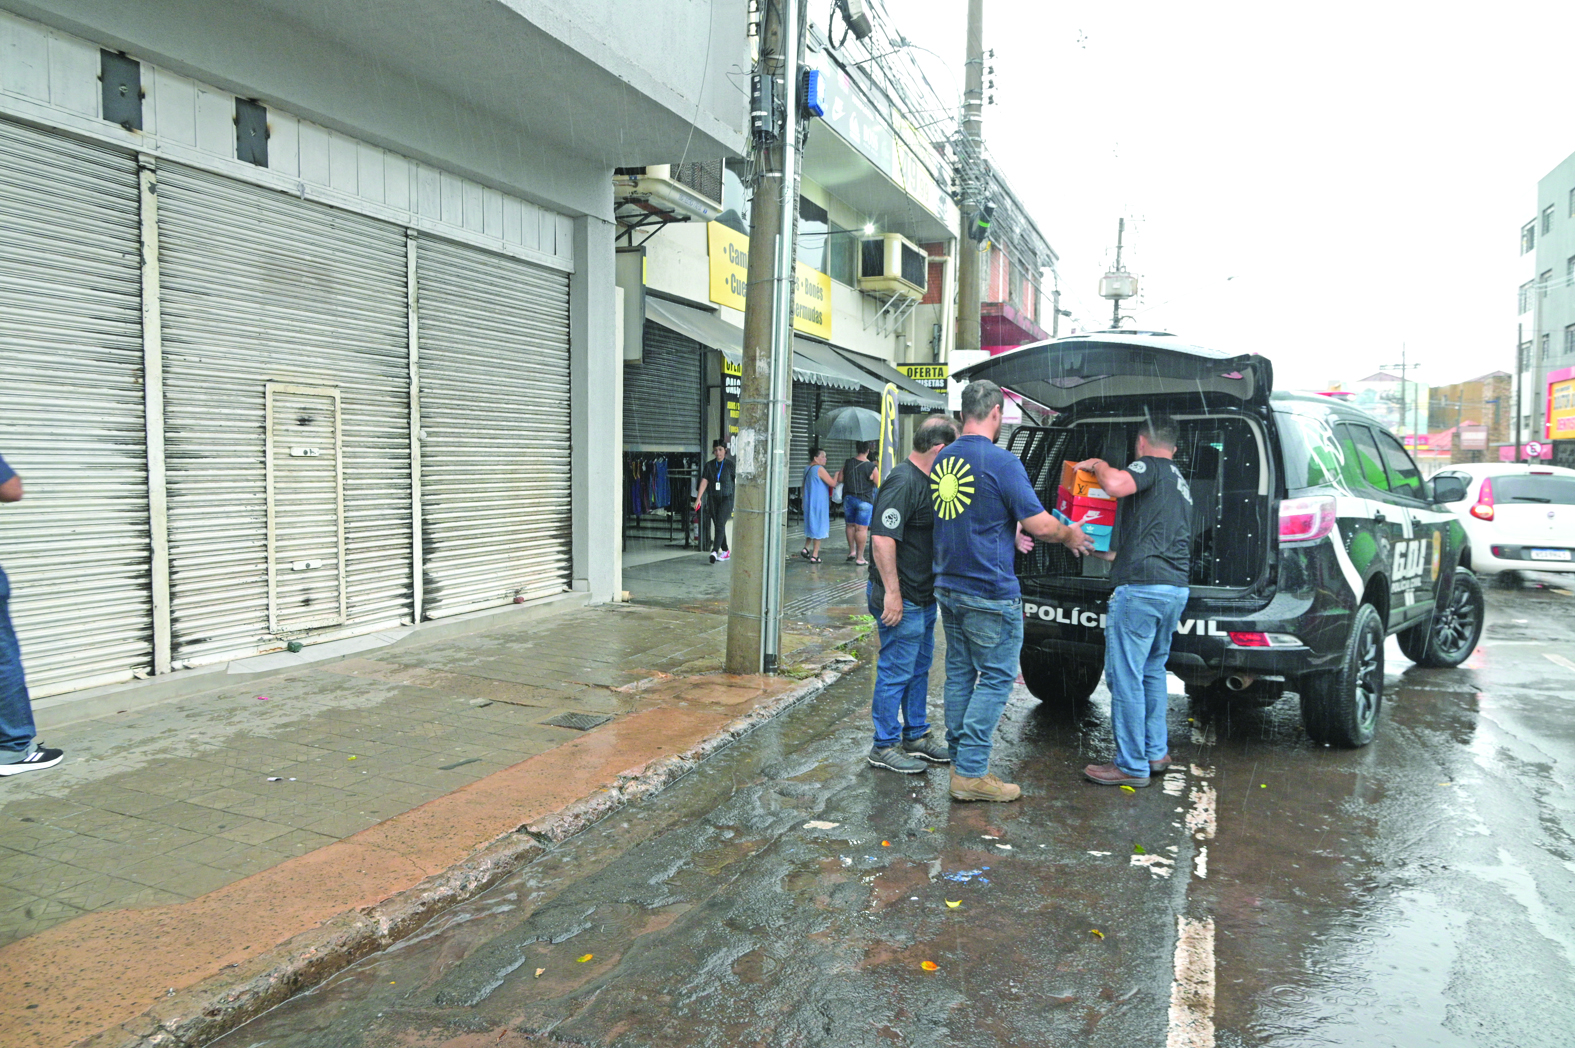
pixel 1086 510
pixel 1081 482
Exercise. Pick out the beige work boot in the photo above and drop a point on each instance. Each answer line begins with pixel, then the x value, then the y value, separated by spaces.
pixel 988 788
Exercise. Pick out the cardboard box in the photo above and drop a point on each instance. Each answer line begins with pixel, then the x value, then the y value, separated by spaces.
pixel 1080 482
pixel 1101 534
pixel 1085 510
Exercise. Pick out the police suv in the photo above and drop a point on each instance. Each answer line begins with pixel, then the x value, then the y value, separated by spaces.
pixel 1314 535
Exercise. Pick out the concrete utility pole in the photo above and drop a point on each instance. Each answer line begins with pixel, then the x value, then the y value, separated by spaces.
pixel 760 453
pixel 1115 303
pixel 971 186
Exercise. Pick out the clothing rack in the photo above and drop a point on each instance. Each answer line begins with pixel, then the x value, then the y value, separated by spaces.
pixel 658 495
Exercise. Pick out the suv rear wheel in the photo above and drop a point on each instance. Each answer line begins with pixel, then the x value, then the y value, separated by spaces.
pixel 1340 707
pixel 1451 635
pixel 1057 679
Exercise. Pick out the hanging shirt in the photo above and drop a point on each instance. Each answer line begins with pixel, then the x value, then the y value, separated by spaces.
pixel 979 492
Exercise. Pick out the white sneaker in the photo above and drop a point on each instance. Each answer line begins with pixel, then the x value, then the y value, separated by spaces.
pixel 713 556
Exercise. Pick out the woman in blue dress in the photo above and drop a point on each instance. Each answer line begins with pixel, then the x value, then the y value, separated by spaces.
pixel 818 483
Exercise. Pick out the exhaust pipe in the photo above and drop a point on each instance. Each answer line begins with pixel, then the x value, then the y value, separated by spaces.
pixel 1240 681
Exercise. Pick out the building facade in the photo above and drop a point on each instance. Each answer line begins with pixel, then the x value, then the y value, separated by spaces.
pixel 1477 415
pixel 310 311
pixel 1546 306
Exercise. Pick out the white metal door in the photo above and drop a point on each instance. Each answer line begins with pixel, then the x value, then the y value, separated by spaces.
pixel 496 454
pixel 306 520
pixel 262 287
pixel 71 411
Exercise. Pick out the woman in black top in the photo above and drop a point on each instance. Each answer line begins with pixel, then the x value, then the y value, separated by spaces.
pixel 858 499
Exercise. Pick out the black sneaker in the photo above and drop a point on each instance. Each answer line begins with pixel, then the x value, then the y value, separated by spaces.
pixel 928 747
pixel 42 757
pixel 893 759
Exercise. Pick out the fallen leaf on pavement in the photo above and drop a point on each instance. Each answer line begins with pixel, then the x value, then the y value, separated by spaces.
pixel 587 957
pixel 1138 849
pixel 929 966
pixel 885 844
pixel 539 971
pixel 1127 788
pixel 1096 933
pixel 952 905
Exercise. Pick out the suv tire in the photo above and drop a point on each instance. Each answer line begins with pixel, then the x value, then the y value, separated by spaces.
pixel 1059 680
pixel 1340 707
pixel 1451 634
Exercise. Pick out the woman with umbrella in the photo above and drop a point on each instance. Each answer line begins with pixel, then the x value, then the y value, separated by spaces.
pixel 818 483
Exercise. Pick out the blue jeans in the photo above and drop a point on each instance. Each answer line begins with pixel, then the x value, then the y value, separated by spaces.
pixel 16 711
pixel 983 640
pixel 902 672
pixel 1141 623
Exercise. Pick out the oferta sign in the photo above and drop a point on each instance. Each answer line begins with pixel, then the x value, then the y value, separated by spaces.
pixel 729 259
pixel 931 375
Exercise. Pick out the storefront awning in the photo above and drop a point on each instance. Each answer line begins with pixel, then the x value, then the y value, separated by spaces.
pixel 813 362
pixel 909 392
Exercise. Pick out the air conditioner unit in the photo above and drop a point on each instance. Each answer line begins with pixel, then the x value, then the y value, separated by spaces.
pixel 894 264
pixel 655 184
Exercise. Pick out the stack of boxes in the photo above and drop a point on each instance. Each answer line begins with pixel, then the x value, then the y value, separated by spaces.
pixel 1081 501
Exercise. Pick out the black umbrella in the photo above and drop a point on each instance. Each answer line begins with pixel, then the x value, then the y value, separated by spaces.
pixel 848 423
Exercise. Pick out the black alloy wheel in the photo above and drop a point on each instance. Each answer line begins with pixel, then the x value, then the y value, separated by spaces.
pixel 1451 635
pixel 1341 707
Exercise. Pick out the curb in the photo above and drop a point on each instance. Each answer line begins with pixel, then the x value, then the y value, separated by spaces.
pixel 203 1013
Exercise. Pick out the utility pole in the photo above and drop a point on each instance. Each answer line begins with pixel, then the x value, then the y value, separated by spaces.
pixel 1408 408
pixel 1115 303
pixel 755 609
pixel 1520 379
pixel 971 186
pixel 1118 285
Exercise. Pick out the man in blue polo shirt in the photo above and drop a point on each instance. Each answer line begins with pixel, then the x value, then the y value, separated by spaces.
pixel 19 749
pixel 981 495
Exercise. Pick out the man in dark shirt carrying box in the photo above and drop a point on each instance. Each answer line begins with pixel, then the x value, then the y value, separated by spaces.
pixel 902 599
pixel 1152 568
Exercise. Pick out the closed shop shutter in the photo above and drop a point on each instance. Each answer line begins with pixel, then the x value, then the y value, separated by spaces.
pixel 809 403
pixel 260 287
pixel 802 417
pixel 661 393
pixel 495 458
pixel 71 411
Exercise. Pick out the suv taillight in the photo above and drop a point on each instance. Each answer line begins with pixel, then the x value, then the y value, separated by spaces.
pixel 1483 510
pixel 1305 520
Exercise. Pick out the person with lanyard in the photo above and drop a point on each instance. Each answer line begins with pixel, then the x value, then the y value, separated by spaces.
pixel 985 510
pixel 718 477
pixel 20 750
pixel 858 494
pixel 1151 574
pixel 901 596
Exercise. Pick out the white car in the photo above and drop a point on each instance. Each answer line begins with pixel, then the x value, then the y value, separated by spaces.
pixel 1518 516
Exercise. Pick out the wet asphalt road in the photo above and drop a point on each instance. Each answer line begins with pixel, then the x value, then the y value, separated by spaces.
pixel 1418 892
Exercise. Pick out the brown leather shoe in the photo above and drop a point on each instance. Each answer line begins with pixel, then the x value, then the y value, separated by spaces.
pixel 985 788
pixel 1159 767
pixel 1110 775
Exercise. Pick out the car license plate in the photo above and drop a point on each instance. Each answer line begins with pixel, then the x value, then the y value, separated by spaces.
pixel 1550 554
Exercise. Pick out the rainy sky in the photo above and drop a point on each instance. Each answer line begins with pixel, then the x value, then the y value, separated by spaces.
pixel 1319 182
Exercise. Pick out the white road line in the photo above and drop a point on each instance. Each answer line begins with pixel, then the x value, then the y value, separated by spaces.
pixel 1200 864
pixel 1559 660
pixel 1192 991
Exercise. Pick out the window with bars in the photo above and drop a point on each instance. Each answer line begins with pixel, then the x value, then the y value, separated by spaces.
pixel 1525 296
pixel 1569 339
pixel 1528 237
pixel 1547 220
pixel 1544 281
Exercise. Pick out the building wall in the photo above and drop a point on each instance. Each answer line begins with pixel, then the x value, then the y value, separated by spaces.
pixel 1555 273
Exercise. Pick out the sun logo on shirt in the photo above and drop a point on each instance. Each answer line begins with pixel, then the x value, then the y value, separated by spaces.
pixel 951 486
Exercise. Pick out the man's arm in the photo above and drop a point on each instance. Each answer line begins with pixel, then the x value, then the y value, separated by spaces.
pixel 1043 526
pixel 11 490
pixel 885 549
pixel 1117 483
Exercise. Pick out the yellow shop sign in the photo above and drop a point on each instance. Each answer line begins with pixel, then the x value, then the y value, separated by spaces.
pixel 729 255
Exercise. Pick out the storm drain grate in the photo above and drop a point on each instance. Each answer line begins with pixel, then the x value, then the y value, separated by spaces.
pixel 819 600
pixel 579 721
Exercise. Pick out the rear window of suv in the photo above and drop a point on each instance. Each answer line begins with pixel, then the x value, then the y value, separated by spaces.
pixel 1312 458
pixel 1557 491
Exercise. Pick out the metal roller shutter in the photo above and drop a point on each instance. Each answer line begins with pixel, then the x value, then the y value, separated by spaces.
pixel 661 393
pixel 260 287
pixel 809 403
pixel 71 411
pixel 495 455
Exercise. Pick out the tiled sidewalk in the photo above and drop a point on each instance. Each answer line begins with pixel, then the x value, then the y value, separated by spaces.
pixel 167 803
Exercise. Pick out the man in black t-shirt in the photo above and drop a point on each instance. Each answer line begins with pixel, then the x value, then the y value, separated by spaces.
pixel 1153 564
pixel 902 600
